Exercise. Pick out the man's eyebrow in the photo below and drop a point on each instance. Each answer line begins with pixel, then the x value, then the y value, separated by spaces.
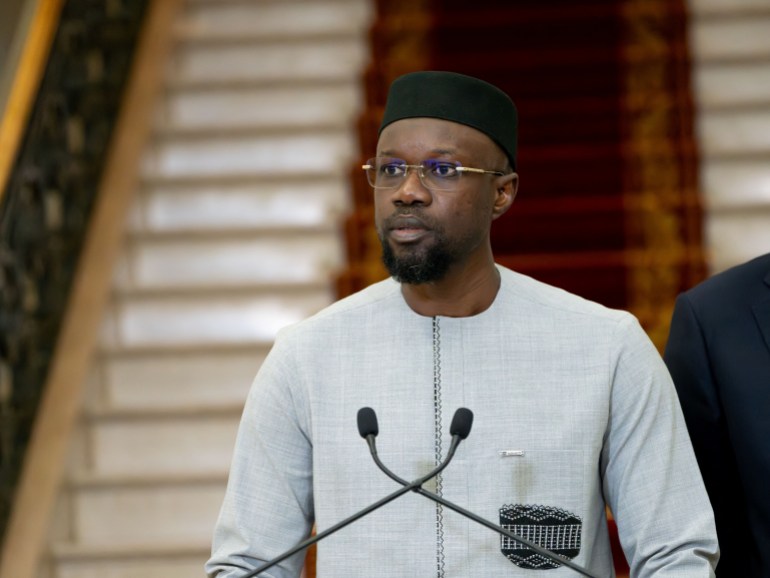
pixel 444 151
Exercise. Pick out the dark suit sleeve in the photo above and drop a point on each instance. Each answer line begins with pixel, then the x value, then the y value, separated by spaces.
pixel 688 360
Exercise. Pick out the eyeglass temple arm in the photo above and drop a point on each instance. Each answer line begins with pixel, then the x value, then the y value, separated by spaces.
pixel 480 171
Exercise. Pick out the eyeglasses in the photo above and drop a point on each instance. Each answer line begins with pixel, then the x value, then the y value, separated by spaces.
pixel 436 175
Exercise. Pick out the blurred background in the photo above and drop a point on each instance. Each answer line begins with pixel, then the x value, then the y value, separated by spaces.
pixel 179 179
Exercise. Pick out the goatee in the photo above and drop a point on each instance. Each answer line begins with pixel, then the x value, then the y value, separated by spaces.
pixel 419 266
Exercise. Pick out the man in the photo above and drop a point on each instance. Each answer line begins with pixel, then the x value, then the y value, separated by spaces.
pixel 573 406
pixel 718 353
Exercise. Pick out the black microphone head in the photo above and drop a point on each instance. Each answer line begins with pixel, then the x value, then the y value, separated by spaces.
pixel 461 423
pixel 367 422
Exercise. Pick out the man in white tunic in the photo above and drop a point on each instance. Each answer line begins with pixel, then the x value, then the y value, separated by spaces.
pixel 574 409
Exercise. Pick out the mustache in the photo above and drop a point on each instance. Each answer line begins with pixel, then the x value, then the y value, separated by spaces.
pixel 408 217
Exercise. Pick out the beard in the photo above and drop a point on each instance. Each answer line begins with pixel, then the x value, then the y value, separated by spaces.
pixel 419 266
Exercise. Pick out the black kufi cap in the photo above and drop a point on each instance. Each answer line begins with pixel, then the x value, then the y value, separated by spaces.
pixel 458 98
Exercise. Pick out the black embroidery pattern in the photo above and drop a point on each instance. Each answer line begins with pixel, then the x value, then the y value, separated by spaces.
pixel 551 528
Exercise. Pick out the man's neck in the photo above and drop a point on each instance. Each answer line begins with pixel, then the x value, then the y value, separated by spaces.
pixel 461 294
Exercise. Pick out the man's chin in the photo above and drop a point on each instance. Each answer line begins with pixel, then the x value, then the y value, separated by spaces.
pixel 416 271
pixel 416 263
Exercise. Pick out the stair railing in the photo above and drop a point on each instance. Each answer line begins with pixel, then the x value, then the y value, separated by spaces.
pixel 43 468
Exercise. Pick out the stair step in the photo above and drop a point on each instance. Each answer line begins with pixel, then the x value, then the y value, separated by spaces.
pixel 232 258
pixel 271 177
pixel 177 85
pixel 735 85
pixel 75 561
pixel 178 292
pixel 188 316
pixel 266 130
pixel 98 415
pixel 193 442
pixel 732 230
pixel 736 157
pixel 85 481
pixel 735 132
pixel 198 39
pixel 126 516
pixel 327 152
pixel 260 107
pixel 735 183
pixel 323 59
pixel 179 380
pixel 203 21
pixel 231 203
pixel 725 8
pixel 267 232
pixel 745 37
pixel 198 348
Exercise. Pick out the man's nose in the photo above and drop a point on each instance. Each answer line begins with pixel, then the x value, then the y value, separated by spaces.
pixel 411 189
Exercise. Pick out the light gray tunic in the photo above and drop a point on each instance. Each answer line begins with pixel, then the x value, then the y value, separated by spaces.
pixel 576 388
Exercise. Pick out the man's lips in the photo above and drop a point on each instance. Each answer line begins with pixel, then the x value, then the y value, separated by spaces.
pixel 406 228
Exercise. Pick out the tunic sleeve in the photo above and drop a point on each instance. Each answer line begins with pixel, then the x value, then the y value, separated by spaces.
pixel 650 476
pixel 268 505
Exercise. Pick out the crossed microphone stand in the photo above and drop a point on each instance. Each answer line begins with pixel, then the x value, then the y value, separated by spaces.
pixel 459 429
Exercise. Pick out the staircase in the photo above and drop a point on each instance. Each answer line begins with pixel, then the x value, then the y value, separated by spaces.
pixel 235 233
pixel 731 62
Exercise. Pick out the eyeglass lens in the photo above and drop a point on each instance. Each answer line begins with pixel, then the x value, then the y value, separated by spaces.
pixel 388 173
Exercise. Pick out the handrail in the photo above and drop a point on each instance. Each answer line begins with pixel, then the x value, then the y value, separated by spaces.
pixel 24 85
pixel 44 465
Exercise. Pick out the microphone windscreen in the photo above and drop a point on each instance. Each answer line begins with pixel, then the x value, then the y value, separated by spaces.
pixel 461 423
pixel 367 422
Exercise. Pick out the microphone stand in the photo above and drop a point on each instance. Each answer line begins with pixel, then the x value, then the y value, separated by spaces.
pixel 407 487
pixel 478 519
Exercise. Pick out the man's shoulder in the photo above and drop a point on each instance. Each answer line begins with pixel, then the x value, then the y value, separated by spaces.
pixel 738 281
pixel 551 300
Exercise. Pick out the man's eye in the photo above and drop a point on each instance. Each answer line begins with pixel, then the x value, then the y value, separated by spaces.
pixel 444 170
pixel 392 170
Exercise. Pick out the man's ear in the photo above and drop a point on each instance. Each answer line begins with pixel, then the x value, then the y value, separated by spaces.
pixel 507 187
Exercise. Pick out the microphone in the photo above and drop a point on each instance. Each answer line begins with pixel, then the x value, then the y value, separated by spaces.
pixel 461 423
pixel 460 428
pixel 368 429
pixel 367 423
